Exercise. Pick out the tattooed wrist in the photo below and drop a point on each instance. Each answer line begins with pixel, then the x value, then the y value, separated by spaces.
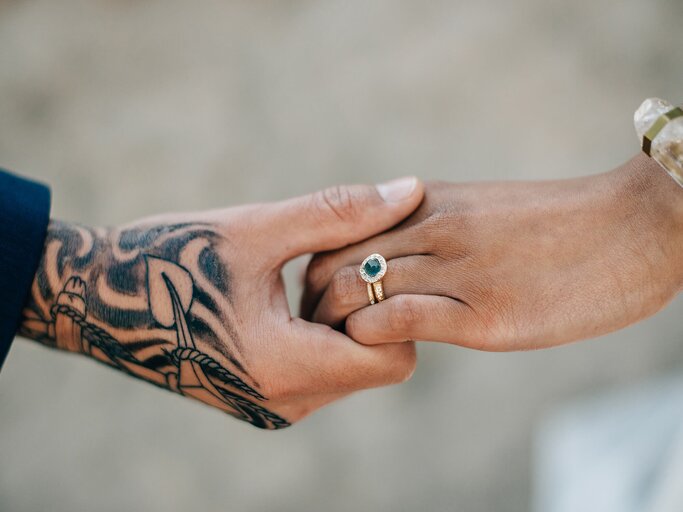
pixel 152 301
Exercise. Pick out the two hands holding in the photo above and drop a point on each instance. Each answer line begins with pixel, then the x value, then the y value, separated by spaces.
pixel 196 303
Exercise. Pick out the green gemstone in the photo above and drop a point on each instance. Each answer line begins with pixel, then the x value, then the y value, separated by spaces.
pixel 372 267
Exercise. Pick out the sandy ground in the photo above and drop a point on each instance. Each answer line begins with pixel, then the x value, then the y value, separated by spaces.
pixel 135 107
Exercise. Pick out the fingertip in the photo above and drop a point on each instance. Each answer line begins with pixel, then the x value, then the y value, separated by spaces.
pixel 397 361
pixel 401 189
pixel 402 196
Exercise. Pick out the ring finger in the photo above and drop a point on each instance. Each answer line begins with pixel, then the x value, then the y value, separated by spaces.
pixel 398 243
pixel 347 291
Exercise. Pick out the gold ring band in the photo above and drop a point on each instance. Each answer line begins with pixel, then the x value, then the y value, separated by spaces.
pixel 372 270
pixel 379 291
pixel 371 294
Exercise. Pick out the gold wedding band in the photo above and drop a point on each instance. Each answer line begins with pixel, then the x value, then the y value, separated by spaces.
pixel 372 271
pixel 379 291
pixel 371 294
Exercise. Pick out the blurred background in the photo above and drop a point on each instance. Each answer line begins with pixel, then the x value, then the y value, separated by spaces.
pixel 129 108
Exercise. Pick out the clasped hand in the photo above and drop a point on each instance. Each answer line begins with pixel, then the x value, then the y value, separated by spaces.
pixel 195 303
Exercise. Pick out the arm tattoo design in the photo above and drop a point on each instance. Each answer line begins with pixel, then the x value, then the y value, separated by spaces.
pixel 143 300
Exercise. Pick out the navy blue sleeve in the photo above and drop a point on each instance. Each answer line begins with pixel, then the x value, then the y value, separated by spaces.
pixel 24 216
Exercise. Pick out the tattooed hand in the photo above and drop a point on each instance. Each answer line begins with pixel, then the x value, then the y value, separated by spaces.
pixel 196 304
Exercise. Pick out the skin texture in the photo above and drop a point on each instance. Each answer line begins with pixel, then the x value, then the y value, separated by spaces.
pixel 195 303
pixel 514 266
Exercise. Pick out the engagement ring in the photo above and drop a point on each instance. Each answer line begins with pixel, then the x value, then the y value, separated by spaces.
pixel 372 271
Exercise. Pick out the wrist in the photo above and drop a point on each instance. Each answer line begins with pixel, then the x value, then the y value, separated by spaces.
pixel 57 303
pixel 656 210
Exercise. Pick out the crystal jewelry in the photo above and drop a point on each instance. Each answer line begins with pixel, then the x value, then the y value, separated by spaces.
pixel 372 271
pixel 659 126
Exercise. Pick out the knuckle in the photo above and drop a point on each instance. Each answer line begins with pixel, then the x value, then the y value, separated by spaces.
pixel 354 329
pixel 491 322
pixel 403 315
pixel 444 236
pixel 338 202
pixel 344 287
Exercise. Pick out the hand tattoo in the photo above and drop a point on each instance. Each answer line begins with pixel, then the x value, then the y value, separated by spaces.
pixel 153 302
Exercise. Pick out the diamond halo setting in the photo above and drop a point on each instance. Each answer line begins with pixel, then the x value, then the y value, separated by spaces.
pixel 373 268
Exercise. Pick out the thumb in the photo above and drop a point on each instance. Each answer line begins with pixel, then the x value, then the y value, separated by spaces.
pixel 339 216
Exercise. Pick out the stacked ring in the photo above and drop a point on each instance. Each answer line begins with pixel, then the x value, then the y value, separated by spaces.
pixel 372 270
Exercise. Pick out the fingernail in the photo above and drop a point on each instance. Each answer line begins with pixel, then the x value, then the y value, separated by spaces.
pixel 397 190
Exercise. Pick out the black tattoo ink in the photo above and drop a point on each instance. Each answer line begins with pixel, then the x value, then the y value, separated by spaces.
pixel 155 273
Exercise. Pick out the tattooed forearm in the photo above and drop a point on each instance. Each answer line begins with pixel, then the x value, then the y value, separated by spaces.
pixel 155 302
